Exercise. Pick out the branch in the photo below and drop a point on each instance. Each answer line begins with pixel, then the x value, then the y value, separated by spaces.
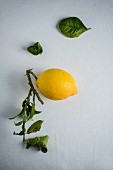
pixel 28 72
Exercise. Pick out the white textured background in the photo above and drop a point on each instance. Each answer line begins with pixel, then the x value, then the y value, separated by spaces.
pixel 80 128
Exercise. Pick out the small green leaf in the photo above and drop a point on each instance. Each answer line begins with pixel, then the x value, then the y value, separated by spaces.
pixel 72 27
pixel 38 112
pixel 19 123
pixel 35 49
pixel 28 112
pixel 35 127
pixel 20 133
pixel 18 114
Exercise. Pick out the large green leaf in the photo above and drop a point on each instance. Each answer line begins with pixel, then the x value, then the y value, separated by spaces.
pixel 72 27
pixel 36 126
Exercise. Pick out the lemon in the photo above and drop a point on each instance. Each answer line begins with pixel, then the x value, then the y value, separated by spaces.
pixel 56 84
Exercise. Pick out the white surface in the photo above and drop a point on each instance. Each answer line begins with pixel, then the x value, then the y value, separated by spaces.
pixel 80 128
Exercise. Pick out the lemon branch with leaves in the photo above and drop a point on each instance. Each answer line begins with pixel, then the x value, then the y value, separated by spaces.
pixel 27 113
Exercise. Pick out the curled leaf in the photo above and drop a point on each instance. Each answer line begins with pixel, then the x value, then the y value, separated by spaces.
pixel 35 49
pixel 72 27
pixel 40 142
pixel 36 126
pixel 31 142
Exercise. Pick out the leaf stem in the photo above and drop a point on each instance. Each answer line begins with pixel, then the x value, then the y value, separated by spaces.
pixel 32 73
pixel 33 98
pixel 29 94
pixel 28 72
pixel 23 125
pixel 24 131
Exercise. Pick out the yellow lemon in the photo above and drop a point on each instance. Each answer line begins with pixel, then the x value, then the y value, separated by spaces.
pixel 56 84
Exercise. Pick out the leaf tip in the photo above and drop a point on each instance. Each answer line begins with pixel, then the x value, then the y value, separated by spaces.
pixel 44 149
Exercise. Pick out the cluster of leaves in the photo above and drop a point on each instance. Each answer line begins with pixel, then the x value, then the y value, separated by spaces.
pixel 27 113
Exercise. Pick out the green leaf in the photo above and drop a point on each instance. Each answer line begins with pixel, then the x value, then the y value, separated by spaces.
pixel 38 112
pixel 20 133
pixel 72 27
pixel 31 109
pixel 35 127
pixel 18 114
pixel 40 142
pixel 35 49
pixel 19 123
